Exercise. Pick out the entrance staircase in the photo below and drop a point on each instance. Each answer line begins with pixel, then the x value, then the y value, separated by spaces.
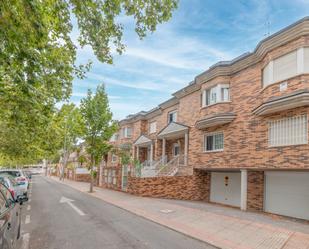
pixel 172 167
pixel 176 166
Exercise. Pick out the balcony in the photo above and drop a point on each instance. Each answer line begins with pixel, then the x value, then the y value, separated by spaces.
pixel 215 120
pixel 289 101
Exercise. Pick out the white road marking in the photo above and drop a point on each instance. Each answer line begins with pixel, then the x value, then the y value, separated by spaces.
pixel 26 239
pixel 166 211
pixel 29 208
pixel 29 200
pixel 69 202
pixel 27 221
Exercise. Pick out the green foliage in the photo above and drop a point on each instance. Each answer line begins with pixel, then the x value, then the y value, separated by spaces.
pixel 82 159
pixel 99 125
pixel 124 154
pixel 38 62
pixel 138 167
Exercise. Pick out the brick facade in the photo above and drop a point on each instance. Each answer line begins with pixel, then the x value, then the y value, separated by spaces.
pixel 255 194
pixel 245 138
pixel 191 187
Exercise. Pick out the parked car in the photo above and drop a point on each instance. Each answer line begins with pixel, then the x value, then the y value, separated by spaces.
pixel 14 188
pixel 10 219
pixel 19 177
pixel 28 174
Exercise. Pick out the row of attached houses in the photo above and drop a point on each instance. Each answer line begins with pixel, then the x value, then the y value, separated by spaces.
pixel 236 135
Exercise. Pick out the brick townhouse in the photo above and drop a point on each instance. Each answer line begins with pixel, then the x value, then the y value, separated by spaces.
pixel 236 135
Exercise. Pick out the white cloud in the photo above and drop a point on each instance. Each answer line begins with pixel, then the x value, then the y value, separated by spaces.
pixel 135 84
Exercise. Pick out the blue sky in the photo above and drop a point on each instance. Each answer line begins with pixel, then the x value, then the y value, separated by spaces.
pixel 200 33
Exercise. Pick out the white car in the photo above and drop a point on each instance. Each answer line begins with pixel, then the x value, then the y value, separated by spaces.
pixel 19 177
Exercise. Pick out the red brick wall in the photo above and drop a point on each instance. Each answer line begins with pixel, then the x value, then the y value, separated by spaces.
pixel 245 139
pixel 82 177
pixel 194 187
pixel 255 194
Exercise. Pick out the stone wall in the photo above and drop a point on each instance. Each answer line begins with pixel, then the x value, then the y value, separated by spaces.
pixel 255 190
pixel 82 177
pixel 193 187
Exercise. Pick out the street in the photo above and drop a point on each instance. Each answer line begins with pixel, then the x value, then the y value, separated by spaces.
pixel 59 217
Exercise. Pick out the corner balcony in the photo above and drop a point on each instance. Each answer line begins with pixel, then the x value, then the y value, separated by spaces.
pixel 215 120
pixel 289 101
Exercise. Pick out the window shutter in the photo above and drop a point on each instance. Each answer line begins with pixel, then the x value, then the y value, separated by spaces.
pixel 306 60
pixel 203 98
pixel 266 80
pixel 285 66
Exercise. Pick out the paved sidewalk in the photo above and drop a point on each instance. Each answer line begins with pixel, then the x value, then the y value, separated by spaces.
pixel 220 226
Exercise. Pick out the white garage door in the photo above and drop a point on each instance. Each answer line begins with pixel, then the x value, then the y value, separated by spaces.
pixel 287 193
pixel 225 188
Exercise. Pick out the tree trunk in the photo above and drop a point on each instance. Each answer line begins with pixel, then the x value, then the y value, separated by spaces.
pixel 65 160
pixel 91 175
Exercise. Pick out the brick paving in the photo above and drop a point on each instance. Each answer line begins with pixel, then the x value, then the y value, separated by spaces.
pixel 220 226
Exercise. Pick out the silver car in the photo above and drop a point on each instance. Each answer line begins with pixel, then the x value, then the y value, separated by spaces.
pixel 19 177
pixel 14 188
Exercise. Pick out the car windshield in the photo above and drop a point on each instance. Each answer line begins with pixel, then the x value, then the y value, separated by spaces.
pixel 11 173
pixel 10 178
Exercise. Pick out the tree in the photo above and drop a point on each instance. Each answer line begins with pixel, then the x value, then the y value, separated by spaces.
pixel 70 129
pixel 38 57
pixel 99 126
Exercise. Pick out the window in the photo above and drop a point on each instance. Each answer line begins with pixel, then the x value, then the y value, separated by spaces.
pixel 114 158
pixel 288 131
pixel 105 176
pixel 114 138
pixel 114 176
pixel 286 66
pixel 172 116
pixel 127 132
pixel 213 142
pixel 176 149
pixel 109 177
pixel 218 93
pixel 152 127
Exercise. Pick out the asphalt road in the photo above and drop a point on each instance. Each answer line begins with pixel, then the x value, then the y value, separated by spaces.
pixel 89 223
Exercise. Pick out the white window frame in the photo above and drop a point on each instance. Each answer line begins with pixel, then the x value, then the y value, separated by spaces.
pixel 176 145
pixel 268 70
pixel 281 134
pixel 215 94
pixel 113 158
pixel 152 127
pixel 114 138
pixel 174 113
pixel 213 134
pixel 126 133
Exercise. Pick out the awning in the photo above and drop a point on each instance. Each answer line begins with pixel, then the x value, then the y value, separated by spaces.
pixel 282 103
pixel 173 129
pixel 215 120
pixel 142 141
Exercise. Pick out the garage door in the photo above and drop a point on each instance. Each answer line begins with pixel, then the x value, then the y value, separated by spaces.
pixel 225 188
pixel 287 193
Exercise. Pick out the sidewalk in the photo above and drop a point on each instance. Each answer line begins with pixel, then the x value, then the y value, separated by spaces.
pixel 220 226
